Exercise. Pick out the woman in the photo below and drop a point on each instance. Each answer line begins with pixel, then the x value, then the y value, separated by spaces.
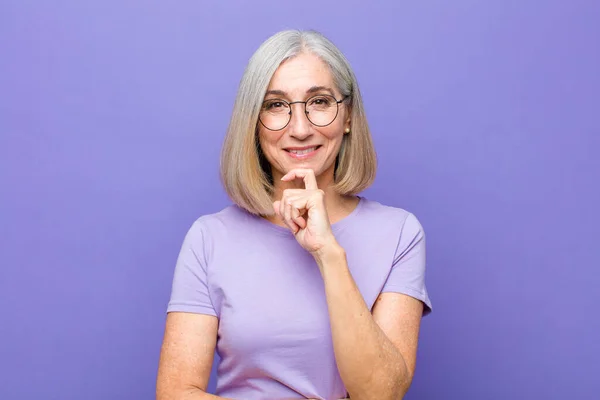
pixel 305 289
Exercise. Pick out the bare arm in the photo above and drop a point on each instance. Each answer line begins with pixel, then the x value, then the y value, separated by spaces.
pixel 186 357
pixel 375 353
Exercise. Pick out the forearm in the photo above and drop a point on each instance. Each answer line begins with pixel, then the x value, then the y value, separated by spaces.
pixel 369 364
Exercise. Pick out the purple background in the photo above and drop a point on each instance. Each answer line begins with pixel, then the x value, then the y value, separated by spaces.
pixel 486 120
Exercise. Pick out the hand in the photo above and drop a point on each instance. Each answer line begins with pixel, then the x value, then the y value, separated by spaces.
pixel 304 212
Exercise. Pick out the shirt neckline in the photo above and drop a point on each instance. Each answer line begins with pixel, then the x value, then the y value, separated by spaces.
pixel 284 231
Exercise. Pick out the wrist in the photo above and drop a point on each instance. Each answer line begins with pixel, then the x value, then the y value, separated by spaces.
pixel 329 253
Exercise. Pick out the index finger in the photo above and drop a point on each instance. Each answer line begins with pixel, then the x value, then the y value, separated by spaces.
pixel 307 175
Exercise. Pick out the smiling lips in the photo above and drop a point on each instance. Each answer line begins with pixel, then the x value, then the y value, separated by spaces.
pixel 302 152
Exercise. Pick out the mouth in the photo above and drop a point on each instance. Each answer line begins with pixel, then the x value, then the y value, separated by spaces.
pixel 302 152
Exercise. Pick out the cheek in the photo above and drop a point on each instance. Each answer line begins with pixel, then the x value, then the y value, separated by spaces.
pixel 263 139
pixel 267 141
pixel 334 133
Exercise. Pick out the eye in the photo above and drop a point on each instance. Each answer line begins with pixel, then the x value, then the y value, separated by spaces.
pixel 273 105
pixel 321 101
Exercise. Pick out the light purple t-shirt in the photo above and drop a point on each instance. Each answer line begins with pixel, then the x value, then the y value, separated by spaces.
pixel 274 337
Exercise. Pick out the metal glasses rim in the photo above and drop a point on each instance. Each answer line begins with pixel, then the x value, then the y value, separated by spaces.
pixel 337 111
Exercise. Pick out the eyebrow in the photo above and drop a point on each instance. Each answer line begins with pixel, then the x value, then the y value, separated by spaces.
pixel 313 89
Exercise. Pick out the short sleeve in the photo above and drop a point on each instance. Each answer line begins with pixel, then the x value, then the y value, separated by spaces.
pixel 407 275
pixel 190 290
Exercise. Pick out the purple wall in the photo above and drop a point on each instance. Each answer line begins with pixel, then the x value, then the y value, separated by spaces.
pixel 486 120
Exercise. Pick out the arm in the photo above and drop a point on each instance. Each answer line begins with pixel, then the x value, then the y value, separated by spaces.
pixel 375 353
pixel 186 357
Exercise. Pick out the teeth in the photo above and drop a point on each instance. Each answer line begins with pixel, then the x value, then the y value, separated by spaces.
pixel 305 151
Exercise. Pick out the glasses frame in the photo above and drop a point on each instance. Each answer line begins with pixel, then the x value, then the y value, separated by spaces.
pixel 337 110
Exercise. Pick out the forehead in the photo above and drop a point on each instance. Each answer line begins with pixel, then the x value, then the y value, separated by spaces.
pixel 300 73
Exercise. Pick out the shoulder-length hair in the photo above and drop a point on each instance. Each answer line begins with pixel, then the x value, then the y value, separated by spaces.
pixel 245 173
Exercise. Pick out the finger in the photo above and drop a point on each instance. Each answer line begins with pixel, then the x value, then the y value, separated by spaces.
pixel 296 181
pixel 288 216
pixel 288 194
pixel 283 211
pixel 297 217
pixel 282 208
pixel 307 174
pixel 276 205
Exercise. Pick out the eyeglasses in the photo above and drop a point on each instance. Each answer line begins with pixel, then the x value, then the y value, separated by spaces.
pixel 321 110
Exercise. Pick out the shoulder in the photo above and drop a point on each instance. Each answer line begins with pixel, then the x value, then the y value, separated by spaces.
pixel 211 231
pixel 232 223
pixel 210 226
pixel 226 217
pixel 381 215
pixel 393 222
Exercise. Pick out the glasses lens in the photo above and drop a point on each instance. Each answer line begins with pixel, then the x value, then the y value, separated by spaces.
pixel 275 114
pixel 322 109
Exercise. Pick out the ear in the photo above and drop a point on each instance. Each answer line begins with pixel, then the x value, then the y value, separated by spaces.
pixel 347 125
pixel 348 117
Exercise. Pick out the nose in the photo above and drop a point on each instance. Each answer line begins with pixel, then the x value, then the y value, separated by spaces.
pixel 299 126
